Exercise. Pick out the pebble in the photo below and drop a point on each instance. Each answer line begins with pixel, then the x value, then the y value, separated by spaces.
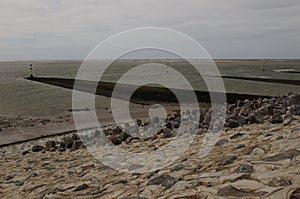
pixel 9 177
pixel 241 120
pixel 37 148
pixel 240 146
pixel 228 161
pixel 221 142
pixel 279 182
pixel 295 194
pixel 235 136
pixel 116 140
pixel 257 153
pixel 81 187
pixel 277 119
pixel 19 183
pixel 50 144
pixel 282 156
pixel 25 152
pixel 233 123
pixel 163 180
pixel 48 191
pixel 245 168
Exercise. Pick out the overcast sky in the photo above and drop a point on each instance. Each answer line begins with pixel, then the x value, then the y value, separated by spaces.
pixel 70 29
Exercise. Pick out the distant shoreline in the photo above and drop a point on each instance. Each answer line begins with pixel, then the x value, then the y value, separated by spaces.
pixel 175 60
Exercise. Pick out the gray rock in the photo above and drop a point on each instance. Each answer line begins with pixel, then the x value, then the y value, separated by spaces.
pixel 282 156
pixel 60 149
pixel 169 125
pixel 241 120
pixel 77 144
pixel 124 136
pixel 279 110
pixel 221 142
pixel 250 149
pixel 8 177
pixel 164 180
pixel 240 146
pixel 67 142
pixel 245 168
pixel 279 182
pixel 233 123
pixel 52 149
pixel 35 188
pixel 276 119
pixel 37 148
pixel 167 133
pixel 230 191
pixel 25 152
pixel 139 122
pixel 295 130
pixel 81 187
pixel 48 191
pixel 131 139
pixel 75 136
pixel 264 110
pixel 177 167
pixel 228 161
pixel 19 183
pixel 235 136
pixel 117 130
pixel 251 118
pixel 116 140
pixel 295 109
pixel 296 194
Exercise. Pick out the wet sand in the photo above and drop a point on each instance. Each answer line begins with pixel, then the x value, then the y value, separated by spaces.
pixel 18 129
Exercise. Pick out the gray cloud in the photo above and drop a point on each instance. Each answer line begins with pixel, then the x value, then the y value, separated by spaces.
pixel 62 29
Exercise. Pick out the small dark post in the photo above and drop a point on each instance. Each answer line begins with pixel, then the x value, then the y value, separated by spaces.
pixel 168 67
pixel 264 66
pixel 31 71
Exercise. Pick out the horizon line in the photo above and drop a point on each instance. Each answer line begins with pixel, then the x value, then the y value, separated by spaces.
pixel 141 59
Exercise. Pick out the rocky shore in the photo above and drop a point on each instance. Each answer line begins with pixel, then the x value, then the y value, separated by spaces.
pixel 256 156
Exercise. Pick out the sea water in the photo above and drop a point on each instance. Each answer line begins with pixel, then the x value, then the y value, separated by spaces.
pixel 21 97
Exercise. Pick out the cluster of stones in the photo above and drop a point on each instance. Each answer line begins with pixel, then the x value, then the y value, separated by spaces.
pixel 146 130
pixel 71 142
pixel 273 110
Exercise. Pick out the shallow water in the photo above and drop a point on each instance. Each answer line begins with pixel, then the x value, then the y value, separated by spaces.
pixel 26 98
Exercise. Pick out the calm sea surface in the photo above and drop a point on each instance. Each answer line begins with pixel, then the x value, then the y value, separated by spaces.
pixel 26 98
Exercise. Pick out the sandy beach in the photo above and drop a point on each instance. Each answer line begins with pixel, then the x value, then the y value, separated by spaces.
pixel 266 164
pixel 256 156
